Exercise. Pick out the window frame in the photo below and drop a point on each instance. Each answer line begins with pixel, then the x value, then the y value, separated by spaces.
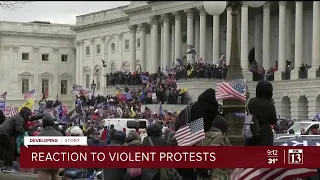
pixel 23 90
pixel 28 55
pixel 66 88
pixel 98 45
pixel 44 55
pixel 138 43
pixel 125 45
pixel 66 58
pixel 87 50
pixel 43 90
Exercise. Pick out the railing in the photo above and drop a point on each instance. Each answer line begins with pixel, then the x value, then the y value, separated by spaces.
pixel 257 76
pixel 303 74
pixel 286 75
pixel 270 77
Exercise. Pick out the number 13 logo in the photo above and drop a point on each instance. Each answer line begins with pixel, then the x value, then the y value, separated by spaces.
pixel 296 158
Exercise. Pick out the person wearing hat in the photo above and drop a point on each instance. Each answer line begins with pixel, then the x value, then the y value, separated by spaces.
pixel 48 130
pixel 95 141
pixel 117 139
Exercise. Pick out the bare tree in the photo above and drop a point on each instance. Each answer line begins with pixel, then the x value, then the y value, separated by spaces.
pixel 12 5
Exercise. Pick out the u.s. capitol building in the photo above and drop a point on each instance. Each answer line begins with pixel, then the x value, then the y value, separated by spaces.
pixel 148 34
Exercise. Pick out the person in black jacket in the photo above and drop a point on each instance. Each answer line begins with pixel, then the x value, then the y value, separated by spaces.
pixel 207 108
pixel 117 139
pixel 8 130
pixel 262 107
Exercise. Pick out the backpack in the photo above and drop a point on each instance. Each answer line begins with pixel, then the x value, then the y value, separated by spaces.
pixel 134 172
pixel 251 126
pixel 202 172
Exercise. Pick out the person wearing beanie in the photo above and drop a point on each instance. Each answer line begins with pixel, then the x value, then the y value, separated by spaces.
pixel 117 139
pixel 13 127
pixel 48 130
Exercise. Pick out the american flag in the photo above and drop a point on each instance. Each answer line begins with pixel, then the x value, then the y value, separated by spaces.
pixel 270 174
pixel 30 94
pixel 3 96
pixel 13 112
pixel 234 89
pixel 191 133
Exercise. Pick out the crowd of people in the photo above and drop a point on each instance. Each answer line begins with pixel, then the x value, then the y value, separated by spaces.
pixel 159 132
pixel 152 88
pixel 189 71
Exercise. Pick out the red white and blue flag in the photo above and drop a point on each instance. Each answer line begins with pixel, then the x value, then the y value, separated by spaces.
pixel 271 173
pixel 234 89
pixel 191 133
pixel 30 94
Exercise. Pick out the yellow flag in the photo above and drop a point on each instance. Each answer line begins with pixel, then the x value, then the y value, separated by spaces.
pixel 132 111
pixel 29 104
pixel 189 72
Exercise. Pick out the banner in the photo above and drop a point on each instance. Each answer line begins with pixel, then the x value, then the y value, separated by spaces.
pixel 3 106
pixel 165 157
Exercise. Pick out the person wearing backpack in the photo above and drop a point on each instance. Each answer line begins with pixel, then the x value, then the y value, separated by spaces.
pixel 216 136
pixel 263 111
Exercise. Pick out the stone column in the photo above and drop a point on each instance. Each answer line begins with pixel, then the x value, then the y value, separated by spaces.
pixel 298 40
pixel 104 69
pixel 197 36
pixel 229 35
pixel 166 39
pixel 257 39
pixel 133 57
pixel 190 33
pixel 203 33
pixel 161 46
pixel 315 40
pixel 155 41
pixel 289 34
pixel 142 30
pixel 266 37
pixel 78 70
pixel 216 39
pixel 282 40
pixel 244 37
pixel 173 57
pixel 177 35
pixel 81 59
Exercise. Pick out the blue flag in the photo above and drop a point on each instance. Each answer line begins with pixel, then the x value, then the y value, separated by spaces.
pixel 317 116
pixel 142 95
pixel 161 110
pixel 128 95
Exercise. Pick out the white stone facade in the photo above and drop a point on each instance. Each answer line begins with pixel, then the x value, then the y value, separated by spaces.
pixel 36 56
pixel 149 34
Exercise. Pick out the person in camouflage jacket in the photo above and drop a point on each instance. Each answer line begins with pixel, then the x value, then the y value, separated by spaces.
pixel 215 137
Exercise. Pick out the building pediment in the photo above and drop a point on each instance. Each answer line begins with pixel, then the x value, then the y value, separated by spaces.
pixel 65 75
pixel 26 74
pixel 46 74
pixel 97 67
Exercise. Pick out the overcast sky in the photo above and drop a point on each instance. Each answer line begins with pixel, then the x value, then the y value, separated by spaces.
pixel 63 12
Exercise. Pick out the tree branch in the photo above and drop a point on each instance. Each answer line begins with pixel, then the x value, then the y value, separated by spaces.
pixel 12 5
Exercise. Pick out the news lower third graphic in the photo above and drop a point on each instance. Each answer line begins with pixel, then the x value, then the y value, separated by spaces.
pixel 272 156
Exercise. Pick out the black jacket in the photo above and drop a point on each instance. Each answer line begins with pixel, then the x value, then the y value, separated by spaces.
pixel 263 108
pixel 50 131
pixel 114 173
pixel 13 126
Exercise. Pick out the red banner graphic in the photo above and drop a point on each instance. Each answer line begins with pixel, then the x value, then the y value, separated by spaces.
pixel 165 157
